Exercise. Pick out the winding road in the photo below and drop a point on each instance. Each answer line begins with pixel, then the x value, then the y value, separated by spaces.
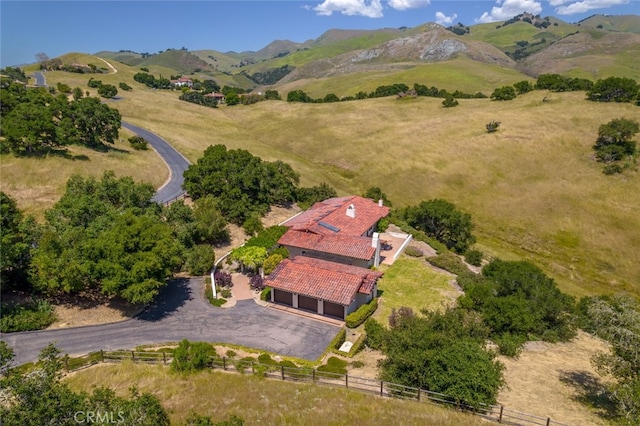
pixel 180 311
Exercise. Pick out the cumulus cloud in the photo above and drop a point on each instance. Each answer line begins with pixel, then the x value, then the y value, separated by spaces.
pixel 369 9
pixel 509 8
pixel 445 20
pixel 571 7
pixel 408 4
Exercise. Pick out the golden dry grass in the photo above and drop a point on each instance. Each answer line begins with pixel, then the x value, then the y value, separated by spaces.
pixel 258 400
pixel 533 188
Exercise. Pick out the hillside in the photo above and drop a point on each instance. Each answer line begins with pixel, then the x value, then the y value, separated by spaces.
pixel 618 23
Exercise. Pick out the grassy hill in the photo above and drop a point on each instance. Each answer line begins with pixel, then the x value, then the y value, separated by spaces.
pixel 624 23
pixel 532 188
pixel 262 401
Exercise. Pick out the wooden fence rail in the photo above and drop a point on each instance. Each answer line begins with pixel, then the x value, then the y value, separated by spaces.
pixel 381 388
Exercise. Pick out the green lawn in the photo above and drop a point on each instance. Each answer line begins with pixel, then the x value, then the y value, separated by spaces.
pixel 411 282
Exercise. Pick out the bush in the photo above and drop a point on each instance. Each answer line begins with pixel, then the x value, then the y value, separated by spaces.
pixel 505 93
pixel 382 225
pixel 375 333
pixel 473 257
pixel 94 83
pixel 492 126
pixel 192 356
pixel 256 282
pixel 209 294
pixel 449 102
pixel 282 251
pixel 253 224
pixel 510 344
pixel 223 279
pixel 124 86
pixel 271 262
pixel 358 345
pixel 339 339
pixel 361 314
pixel 334 365
pixel 413 251
pixel 449 262
pixel 226 293
pixel 199 259
pixel 35 314
pixel 138 143
pixel 107 91
pixel 265 294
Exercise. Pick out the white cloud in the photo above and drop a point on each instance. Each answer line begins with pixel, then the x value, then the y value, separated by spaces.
pixel 445 20
pixel 408 4
pixel 370 9
pixel 507 9
pixel 583 6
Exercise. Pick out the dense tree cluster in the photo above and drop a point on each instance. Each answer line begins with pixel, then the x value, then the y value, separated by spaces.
pixel 440 352
pixel 199 98
pixel 559 83
pixel 18 234
pixel 151 81
pixel 240 182
pixel 271 76
pixel 40 397
pixel 441 220
pixel 614 89
pixel 14 73
pixel 34 121
pixel 505 93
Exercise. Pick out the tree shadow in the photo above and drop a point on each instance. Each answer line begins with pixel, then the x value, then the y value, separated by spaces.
pixel 170 299
pixel 100 147
pixel 590 391
pixel 55 152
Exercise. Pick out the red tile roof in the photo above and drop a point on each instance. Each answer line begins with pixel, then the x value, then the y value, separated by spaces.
pixel 333 212
pixel 343 245
pixel 320 279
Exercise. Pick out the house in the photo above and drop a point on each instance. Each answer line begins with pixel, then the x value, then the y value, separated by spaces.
pixel 331 245
pixel 182 81
pixel 217 96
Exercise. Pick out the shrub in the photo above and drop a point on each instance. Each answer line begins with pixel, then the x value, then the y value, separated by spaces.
pixel 124 86
pixel 505 93
pixel 334 365
pixel 449 262
pixel 492 126
pixel 382 225
pixel 282 251
pixel 271 262
pixel 361 314
pixel 226 293
pixel 94 83
pixel 339 339
pixel 138 143
pixel 107 91
pixel 358 345
pixel 231 354
pixel 473 257
pixel 35 314
pixel 449 102
pixel 191 356
pixel 375 333
pixel 223 279
pixel 357 364
pixel 398 316
pixel 199 259
pixel 253 224
pixel 510 344
pixel 209 294
pixel 413 251
pixel 266 359
pixel 256 282
pixel 265 294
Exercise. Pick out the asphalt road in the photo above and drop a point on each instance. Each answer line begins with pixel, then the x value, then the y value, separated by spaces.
pixel 176 163
pixel 181 312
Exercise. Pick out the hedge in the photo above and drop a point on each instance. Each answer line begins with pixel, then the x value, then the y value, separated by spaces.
pixel 265 294
pixel 361 314
pixel 339 339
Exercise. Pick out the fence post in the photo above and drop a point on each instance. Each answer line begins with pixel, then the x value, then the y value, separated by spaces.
pixel 133 356
pixel 224 362
pixel 282 371
pixel 500 417
pixel 381 385
pixel 101 355
pixel 346 380
pixel 418 394
pixel 313 375
pixel 164 357
pixel 548 421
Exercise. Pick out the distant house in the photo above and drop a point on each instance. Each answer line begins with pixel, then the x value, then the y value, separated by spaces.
pixel 182 81
pixel 331 245
pixel 217 96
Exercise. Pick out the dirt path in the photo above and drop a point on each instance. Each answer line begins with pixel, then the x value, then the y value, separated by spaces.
pixel 115 71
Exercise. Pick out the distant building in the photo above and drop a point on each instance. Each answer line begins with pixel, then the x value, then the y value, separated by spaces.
pixel 182 81
pixel 217 96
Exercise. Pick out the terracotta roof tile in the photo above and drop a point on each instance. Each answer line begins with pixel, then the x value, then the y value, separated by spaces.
pixel 343 245
pixel 320 279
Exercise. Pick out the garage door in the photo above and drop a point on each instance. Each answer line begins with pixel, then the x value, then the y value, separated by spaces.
pixel 283 297
pixel 308 303
pixel 334 310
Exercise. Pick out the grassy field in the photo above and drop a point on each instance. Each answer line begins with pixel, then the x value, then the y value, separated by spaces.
pixel 264 401
pixel 533 188
pixel 411 282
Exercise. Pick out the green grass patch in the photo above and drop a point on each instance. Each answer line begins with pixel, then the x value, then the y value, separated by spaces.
pixel 411 282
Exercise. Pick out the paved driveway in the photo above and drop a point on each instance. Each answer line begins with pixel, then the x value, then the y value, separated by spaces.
pixel 180 312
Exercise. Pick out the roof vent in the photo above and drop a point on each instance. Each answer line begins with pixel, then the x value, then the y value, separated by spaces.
pixel 351 211
pixel 380 202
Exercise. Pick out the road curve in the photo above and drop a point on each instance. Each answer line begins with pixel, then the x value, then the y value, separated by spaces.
pixel 181 312
pixel 175 161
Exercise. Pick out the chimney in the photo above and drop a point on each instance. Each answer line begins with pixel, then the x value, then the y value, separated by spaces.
pixel 380 202
pixel 375 243
pixel 351 211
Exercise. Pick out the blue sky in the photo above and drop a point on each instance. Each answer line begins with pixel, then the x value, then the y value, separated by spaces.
pixel 58 27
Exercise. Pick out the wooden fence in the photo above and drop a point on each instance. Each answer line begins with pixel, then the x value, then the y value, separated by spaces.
pixel 497 413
